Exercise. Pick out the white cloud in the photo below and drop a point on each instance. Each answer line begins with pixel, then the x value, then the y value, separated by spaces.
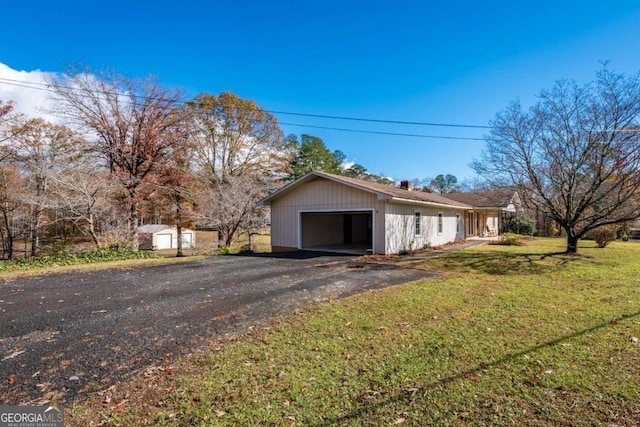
pixel 347 165
pixel 26 90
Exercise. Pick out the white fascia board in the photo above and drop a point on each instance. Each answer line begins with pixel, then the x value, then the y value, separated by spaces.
pixel 424 203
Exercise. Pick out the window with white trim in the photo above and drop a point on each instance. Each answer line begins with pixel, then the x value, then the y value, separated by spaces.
pixel 440 223
pixel 418 223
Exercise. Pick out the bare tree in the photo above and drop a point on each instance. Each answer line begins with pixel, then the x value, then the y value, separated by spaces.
pixel 131 123
pixel 41 150
pixel 575 155
pixel 84 195
pixel 12 211
pixel 234 205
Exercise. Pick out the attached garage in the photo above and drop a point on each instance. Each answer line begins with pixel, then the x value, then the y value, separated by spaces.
pixel 337 231
pixel 326 212
pixel 162 236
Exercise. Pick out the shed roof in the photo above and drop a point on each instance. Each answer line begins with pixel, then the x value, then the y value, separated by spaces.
pixel 383 191
pixel 153 228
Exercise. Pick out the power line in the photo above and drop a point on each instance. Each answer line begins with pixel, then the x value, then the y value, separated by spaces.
pixel 383 133
pixel 398 122
pixel 47 87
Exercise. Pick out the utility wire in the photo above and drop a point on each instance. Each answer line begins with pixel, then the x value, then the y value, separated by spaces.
pixel 382 133
pixel 47 87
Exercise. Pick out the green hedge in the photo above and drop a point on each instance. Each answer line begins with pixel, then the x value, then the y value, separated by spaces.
pixel 521 225
pixel 23 264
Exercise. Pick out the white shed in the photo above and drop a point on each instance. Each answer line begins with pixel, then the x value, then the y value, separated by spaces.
pixel 162 236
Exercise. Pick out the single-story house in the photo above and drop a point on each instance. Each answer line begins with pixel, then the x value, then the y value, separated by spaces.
pixel 162 236
pixel 322 211
pixel 491 208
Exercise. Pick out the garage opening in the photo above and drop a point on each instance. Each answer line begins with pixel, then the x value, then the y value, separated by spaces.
pixel 342 232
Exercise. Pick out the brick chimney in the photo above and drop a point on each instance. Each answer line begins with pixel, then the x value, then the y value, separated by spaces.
pixel 405 185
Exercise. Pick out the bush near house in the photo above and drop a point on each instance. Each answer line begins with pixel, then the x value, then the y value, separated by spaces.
pixel 521 225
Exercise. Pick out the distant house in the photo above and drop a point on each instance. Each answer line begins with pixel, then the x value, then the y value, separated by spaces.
pixel 491 208
pixel 162 236
pixel 322 211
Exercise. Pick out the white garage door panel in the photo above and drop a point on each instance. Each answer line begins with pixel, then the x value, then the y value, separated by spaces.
pixel 163 241
pixel 186 240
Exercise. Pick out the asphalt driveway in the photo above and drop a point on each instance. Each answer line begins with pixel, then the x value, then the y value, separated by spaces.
pixel 65 335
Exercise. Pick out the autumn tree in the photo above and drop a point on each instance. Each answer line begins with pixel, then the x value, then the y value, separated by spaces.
pixel 130 123
pixel 240 154
pixel 9 125
pixel 177 185
pixel 575 154
pixel 235 136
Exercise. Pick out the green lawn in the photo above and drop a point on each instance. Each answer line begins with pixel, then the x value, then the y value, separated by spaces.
pixel 506 336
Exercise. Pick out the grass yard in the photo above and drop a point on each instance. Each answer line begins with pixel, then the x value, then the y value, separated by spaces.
pixel 506 336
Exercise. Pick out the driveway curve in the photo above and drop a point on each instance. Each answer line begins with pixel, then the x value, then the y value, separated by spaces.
pixel 64 335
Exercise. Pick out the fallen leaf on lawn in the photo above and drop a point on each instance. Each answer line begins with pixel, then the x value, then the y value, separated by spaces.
pixel 219 413
pixel 399 421
pixel 11 379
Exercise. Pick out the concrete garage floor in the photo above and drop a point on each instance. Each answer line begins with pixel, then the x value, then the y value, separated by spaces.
pixel 64 336
pixel 345 248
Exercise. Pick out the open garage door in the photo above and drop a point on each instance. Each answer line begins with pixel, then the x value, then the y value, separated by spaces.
pixel 343 232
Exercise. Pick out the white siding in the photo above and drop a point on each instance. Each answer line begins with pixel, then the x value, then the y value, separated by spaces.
pixel 321 195
pixel 400 227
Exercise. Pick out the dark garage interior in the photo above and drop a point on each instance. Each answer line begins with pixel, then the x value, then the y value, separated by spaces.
pixel 342 232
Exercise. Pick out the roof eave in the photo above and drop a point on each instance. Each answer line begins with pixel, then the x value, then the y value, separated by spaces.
pixel 310 175
pixel 427 203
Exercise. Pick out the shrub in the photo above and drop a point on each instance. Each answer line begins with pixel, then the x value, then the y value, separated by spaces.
pixel 521 225
pixel 604 235
pixel 246 249
pixel 510 239
pixel 22 264
pixel 224 250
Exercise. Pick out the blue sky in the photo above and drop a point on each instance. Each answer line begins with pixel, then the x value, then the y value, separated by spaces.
pixel 418 61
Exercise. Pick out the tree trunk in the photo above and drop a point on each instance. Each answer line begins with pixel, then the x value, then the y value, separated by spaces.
pixel 7 241
pixel 34 240
pixel 572 243
pixel 179 253
pixel 92 231
pixel 133 220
